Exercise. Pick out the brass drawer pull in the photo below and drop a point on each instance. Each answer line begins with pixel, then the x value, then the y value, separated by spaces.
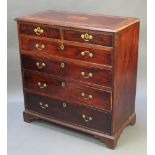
pixel 43 106
pixel 42 85
pixel 86 37
pixel 63 84
pixel 86 96
pixel 38 31
pixel 87 53
pixel 62 64
pixel 39 46
pixel 87 119
pixel 40 65
pixel 62 47
pixel 86 75
pixel 64 105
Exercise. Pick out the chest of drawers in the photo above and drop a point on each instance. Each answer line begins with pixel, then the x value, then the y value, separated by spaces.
pixel 79 71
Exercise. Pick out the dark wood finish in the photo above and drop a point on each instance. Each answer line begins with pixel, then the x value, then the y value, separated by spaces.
pixel 108 95
pixel 71 112
pixel 126 56
pixel 48 31
pixel 98 38
pixel 70 92
pixel 29 118
pixel 100 56
pixel 73 71
pixel 80 20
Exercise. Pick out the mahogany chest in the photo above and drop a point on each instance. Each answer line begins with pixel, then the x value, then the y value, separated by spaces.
pixel 79 71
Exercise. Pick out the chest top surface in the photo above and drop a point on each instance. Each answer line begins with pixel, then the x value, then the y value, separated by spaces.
pixel 81 20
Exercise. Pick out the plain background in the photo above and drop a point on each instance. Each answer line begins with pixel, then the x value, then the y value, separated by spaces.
pixel 40 138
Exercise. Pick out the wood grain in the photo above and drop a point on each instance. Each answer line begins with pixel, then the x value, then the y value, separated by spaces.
pixel 100 56
pixel 70 92
pixel 67 69
pixel 71 113
pixel 48 31
pixel 53 75
pixel 97 38
pixel 97 22
pixel 126 56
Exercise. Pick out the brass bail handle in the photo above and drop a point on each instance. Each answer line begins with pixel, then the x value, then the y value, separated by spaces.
pixel 86 118
pixel 43 106
pixel 86 75
pixel 42 85
pixel 86 37
pixel 38 30
pixel 86 96
pixel 87 53
pixel 40 64
pixel 39 46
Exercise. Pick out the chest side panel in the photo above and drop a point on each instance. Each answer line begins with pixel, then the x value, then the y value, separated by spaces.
pixel 125 73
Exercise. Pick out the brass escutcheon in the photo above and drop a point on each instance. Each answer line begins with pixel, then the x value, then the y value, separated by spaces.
pixel 62 64
pixel 62 47
pixel 64 104
pixel 63 84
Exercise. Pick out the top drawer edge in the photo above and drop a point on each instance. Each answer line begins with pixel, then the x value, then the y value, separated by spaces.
pixel 68 24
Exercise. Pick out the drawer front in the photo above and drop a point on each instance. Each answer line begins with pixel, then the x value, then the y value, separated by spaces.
pixel 68 51
pixel 39 30
pixel 61 89
pixel 69 112
pixel 90 37
pixel 74 71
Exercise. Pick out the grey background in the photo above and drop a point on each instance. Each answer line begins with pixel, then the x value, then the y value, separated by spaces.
pixel 40 138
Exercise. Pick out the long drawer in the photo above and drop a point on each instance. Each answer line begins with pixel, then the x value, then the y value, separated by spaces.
pixel 61 89
pixel 84 53
pixel 80 72
pixel 69 112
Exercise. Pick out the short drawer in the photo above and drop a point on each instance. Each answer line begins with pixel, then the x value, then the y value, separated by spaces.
pixel 72 70
pixel 41 46
pixel 90 37
pixel 39 30
pixel 70 112
pixel 69 91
